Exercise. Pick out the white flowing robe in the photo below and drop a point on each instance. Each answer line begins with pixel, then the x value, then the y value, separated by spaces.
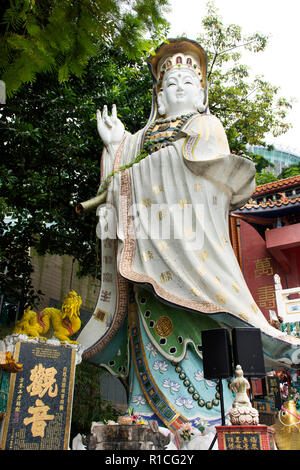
pixel 172 212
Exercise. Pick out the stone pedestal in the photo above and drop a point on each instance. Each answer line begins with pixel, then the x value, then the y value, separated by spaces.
pixel 127 437
pixel 245 437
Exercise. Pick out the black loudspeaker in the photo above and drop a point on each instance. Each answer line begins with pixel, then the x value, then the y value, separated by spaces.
pixel 216 351
pixel 248 351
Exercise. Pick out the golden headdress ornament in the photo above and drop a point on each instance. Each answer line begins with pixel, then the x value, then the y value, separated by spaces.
pixel 179 53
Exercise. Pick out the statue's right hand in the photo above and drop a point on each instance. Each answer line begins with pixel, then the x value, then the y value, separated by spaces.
pixel 110 128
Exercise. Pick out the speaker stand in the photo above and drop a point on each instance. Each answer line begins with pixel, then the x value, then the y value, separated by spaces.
pixel 222 412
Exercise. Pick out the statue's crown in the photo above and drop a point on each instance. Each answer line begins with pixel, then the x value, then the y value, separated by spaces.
pixel 179 60
pixel 178 53
pixel 175 54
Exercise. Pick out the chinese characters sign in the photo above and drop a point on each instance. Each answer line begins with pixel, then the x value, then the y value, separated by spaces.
pixel 266 411
pixel 245 441
pixel 253 437
pixel 259 268
pixel 40 399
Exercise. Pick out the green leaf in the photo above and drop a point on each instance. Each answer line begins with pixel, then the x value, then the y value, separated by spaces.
pixel 63 73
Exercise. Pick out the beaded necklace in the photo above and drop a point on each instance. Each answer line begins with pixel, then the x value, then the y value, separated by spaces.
pixel 162 132
pixel 192 390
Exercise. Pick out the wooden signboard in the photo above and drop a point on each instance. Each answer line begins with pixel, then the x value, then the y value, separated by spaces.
pixel 39 403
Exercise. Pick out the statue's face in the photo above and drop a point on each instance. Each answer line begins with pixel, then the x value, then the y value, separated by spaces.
pixel 181 92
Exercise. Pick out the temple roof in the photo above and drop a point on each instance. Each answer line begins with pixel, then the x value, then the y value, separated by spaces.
pixel 284 201
pixel 271 204
pixel 280 185
pixel 277 196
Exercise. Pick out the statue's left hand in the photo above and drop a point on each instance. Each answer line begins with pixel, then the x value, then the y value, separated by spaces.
pixel 110 128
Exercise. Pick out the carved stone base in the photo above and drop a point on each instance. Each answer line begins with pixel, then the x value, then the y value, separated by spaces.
pixel 127 437
pixel 244 415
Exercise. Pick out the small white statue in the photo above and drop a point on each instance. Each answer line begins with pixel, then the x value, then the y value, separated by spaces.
pixel 77 443
pixel 242 411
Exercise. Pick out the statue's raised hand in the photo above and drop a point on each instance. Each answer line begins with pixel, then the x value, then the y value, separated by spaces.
pixel 110 128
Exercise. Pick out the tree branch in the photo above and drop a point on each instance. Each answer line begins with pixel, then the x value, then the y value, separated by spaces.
pixel 212 65
pixel 224 52
pixel 236 47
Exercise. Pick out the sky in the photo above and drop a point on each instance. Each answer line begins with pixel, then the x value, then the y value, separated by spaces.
pixel 279 63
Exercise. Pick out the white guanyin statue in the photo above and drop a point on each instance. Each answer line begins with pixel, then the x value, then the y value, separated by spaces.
pixel 168 267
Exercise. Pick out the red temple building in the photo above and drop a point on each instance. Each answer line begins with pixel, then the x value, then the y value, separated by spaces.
pixel 265 234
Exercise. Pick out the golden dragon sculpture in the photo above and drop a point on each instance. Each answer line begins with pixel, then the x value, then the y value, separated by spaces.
pixel 65 322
